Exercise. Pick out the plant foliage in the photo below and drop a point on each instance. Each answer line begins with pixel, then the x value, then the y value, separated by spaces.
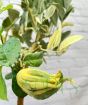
pixel 26 37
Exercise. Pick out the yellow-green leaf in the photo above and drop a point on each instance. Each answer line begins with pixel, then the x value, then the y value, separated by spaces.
pixel 67 42
pixel 49 12
pixel 67 24
pixel 6 8
pixel 55 39
pixel 46 14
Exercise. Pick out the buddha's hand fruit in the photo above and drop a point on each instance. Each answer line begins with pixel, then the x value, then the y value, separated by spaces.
pixel 38 83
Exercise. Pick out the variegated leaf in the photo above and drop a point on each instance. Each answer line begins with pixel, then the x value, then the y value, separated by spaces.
pixel 67 24
pixel 67 42
pixel 55 39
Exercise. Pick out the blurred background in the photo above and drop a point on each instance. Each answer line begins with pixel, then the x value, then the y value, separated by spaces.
pixel 74 63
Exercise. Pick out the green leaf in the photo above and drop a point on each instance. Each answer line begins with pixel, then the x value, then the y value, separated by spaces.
pixel 68 11
pixel 43 44
pixel 65 35
pixel 46 14
pixel 64 8
pixel 40 5
pixel 60 11
pixel 67 3
pixel 61 2
pixel 67 42
pixel 34 59
pixel 16 89
pixel 54 18
pixel 6 8
pixel 9 52
pixel 15 32
pixel 3 90
pixel 6 23
pixel 13 14
pixel 23 5
pixel 8 76
pixel 55 39
pixel 49 12
pixel 64 3
pixel 27 35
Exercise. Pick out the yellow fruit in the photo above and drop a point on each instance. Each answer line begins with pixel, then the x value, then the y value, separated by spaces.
pixel 39 83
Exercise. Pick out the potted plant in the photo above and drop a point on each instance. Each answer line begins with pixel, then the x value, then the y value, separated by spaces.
pixel 26 37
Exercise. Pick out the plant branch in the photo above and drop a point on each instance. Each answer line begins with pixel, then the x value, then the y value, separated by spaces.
pixel 20 101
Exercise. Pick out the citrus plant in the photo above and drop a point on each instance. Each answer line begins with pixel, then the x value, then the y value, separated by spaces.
pixel 26 37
